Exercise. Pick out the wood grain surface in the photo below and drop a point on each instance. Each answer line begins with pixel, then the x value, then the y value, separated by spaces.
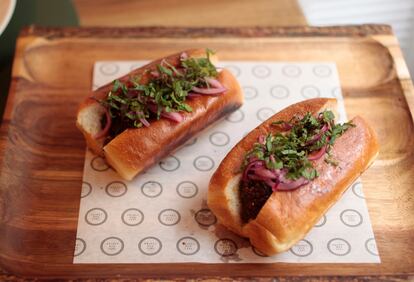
pixel 42 153
pixel 239 13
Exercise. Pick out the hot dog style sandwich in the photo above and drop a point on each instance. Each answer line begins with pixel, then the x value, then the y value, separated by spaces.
pixel 272 187
pixel 141 117
pixel 277 182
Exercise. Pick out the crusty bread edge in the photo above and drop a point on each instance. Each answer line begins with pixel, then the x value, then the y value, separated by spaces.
pixel 91 104
pixel 223 185
pixel 130 159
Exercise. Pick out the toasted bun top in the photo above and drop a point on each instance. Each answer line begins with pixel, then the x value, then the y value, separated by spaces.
pixel 128 157
pixel 225 181
pixel 230 166
pixel 287 216
pixel 90 111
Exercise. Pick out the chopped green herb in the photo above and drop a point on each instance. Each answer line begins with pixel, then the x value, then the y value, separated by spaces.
pixel 291 150
pixel 129 102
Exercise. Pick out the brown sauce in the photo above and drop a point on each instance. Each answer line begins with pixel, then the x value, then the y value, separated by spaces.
pixel 253 196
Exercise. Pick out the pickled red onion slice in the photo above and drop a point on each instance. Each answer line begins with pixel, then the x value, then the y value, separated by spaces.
pixel 209 91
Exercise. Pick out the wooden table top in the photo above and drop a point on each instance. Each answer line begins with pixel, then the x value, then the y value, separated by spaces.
pixel 218 13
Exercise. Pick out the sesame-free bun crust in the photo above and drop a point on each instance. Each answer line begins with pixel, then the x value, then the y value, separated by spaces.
pixel 287 217
pixel 134 150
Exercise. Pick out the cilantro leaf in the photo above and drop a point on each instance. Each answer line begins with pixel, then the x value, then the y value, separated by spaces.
pixel 290 151
pixel 167 90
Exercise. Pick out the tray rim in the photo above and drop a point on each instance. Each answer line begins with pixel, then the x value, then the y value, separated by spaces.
pixel 244 32
pixel 220 32
pixel 375 31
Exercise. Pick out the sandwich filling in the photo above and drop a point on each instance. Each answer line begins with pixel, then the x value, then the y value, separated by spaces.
pixel 167 87
pixel 284 160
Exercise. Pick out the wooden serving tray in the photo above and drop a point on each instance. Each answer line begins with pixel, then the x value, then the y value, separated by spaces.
pixel 42 153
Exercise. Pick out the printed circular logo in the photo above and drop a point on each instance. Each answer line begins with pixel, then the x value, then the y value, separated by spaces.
pixel 132 217
pixel 99 164
pixel 234 70
pixel 150 246
pixel 302 249
pixel 109 69
pixel 279 92
pixel 339 247
pixel 219 138
pixel 170 163
pixel 357 190
pixel 169 217
pixel 191 142
pixel 321 221
pixel 205 217
pixel 258 253
pixel 265 113
pixel 291 71
pixel 116 189
pixel 112 246
pixel 80 247
pixel 188 246
pixel 322 71
pixel 371 247
pixel 261 71
pixel 236 116
pixel 86 189
pixel 203 163
pixel 351 218
pixel 310 92
pixel 187 189
pixel 250 92
pixel 96 216
pixel 225 247
pixel 151 189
